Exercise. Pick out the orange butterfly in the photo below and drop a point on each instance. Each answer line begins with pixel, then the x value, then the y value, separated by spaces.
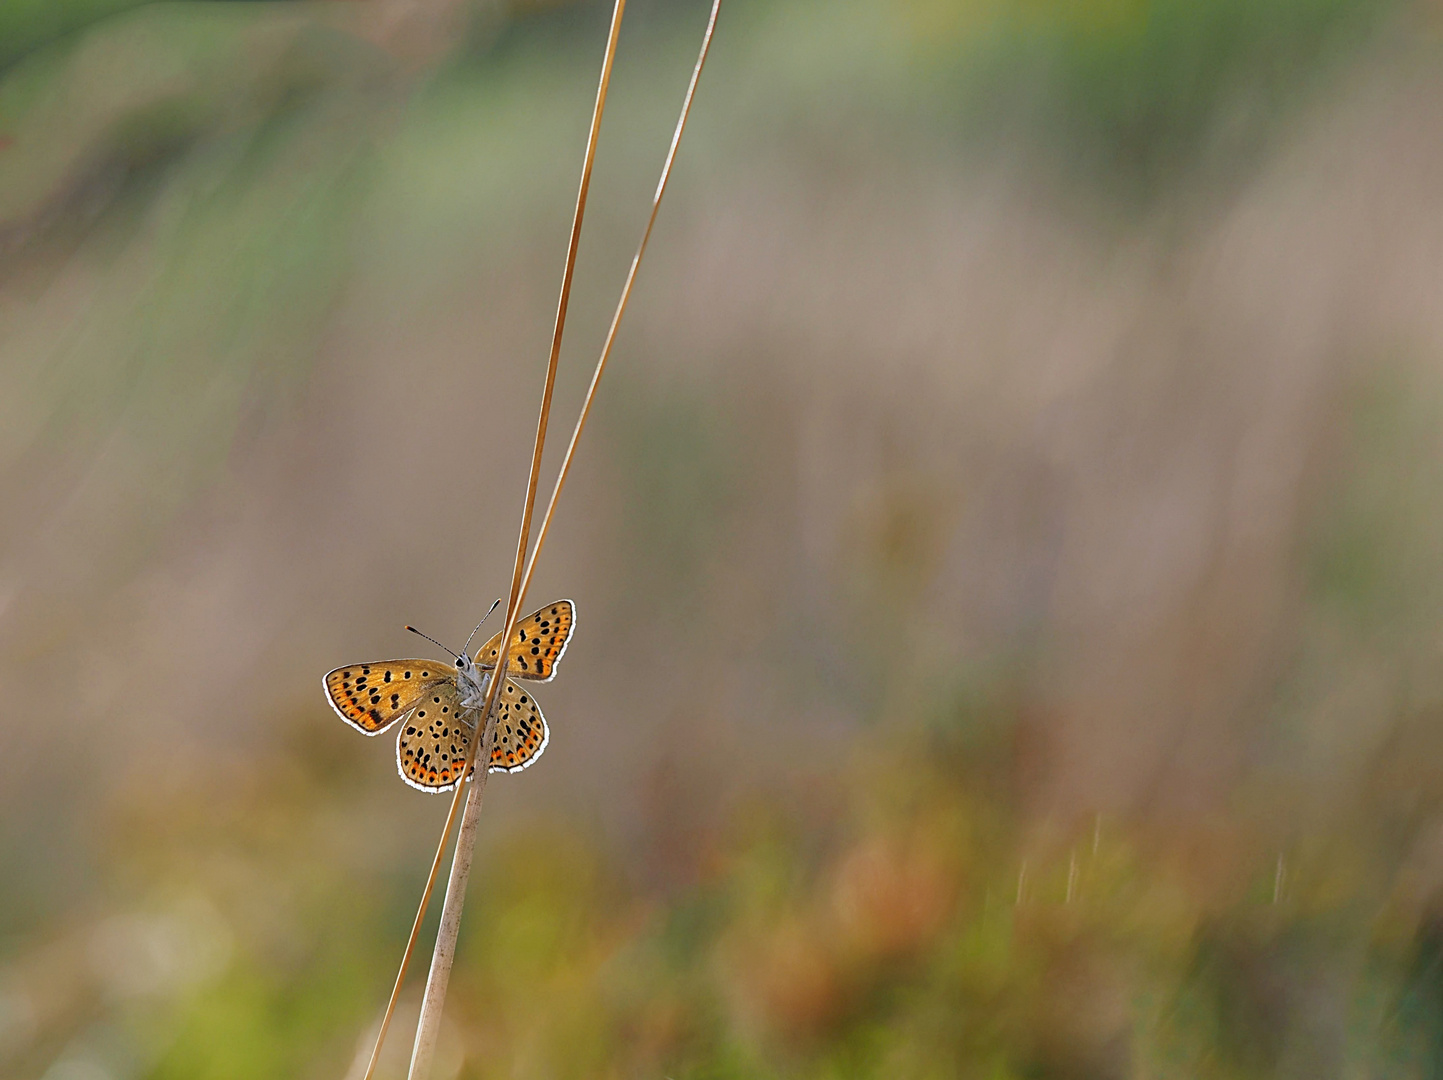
pixel 439 704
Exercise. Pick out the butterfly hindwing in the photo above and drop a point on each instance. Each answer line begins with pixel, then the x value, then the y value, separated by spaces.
pixel 521 732
pixel 537 643
pixel 433 743
pixel 372 697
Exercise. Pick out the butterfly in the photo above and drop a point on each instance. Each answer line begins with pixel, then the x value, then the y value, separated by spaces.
pixel 439 705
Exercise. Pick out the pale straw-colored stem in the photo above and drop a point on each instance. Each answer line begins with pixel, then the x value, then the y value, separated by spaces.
pixel 432 1004
pixel 434 1001
pixel 461 862
pixel 415 933
pixel 451 915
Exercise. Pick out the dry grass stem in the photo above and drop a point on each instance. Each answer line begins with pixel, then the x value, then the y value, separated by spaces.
pixel 429 1022
pixel 415 933
pixel 625 293
pixel 444 953
pixel 432 1004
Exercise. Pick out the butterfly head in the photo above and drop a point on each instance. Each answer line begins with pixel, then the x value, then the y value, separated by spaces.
pixel 468 679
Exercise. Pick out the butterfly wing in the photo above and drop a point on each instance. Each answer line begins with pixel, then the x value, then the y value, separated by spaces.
pixel 537 643
pixel 521 731
pixel 372 697
pixel 432 746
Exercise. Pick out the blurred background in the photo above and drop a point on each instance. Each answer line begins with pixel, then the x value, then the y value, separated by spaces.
pixel 1007 548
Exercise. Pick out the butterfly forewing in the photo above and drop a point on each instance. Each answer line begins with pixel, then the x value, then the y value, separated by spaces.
pixel 537 643
pixel 372 697
pixel 432 746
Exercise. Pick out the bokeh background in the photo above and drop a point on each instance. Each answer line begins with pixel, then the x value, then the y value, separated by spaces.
pixel 1007 548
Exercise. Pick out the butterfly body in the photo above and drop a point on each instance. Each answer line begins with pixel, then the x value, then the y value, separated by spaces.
pixel 471 683
pixel 439 704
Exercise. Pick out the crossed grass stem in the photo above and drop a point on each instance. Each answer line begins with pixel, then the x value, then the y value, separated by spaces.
pixel 443 955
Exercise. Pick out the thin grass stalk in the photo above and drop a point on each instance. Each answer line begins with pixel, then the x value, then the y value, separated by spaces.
pixel 415 933
pixel 433 1002
pixel 447 934
pixel 486 742
pixel 428 1026
pixel 518 598
pixel 625 295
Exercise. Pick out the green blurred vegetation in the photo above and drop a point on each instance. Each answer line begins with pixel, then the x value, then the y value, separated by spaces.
pixel 1145 92
pixel 1140 100
pixel 26 25
pixel 907 929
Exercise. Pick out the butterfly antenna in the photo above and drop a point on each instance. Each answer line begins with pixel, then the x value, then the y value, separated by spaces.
pixel 429 638
pixel 467 646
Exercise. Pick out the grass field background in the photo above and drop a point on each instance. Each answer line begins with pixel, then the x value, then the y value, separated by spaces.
pixel 1006 552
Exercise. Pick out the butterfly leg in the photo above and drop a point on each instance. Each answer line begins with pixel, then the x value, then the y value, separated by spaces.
pixel 472 689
